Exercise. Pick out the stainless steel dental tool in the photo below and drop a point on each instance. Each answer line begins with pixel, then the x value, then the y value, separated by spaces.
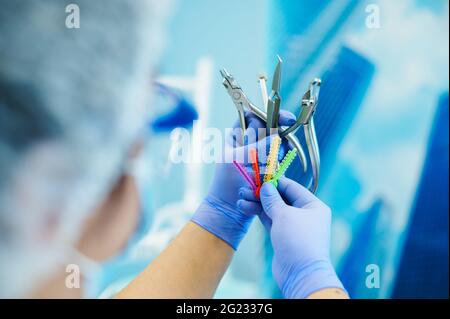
pixel 274 100
pixel 238 97
pixel 305 118
pixel 240 100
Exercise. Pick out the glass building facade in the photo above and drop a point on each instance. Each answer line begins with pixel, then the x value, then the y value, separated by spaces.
pixel 344 85
pixel 423 270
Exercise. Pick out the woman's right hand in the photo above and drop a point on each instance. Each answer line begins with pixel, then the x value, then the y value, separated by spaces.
pixel 299 227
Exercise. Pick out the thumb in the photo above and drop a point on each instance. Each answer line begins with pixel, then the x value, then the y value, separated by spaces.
pixel 271 200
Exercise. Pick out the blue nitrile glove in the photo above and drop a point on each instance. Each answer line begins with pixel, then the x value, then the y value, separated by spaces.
pixel 299 226
pixel 218 212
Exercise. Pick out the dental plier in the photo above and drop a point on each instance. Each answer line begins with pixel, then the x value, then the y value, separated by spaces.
pixel 305 119
pixel 241 101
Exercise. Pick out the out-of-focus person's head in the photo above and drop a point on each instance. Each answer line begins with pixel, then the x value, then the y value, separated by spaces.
pixel 72 103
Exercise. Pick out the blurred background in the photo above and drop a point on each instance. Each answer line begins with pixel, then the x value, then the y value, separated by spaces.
pixel 382 126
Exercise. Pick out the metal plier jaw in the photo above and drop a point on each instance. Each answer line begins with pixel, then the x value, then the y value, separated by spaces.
pixel 309 101
pixel 238 97
pixel 241 101
pixel 308 106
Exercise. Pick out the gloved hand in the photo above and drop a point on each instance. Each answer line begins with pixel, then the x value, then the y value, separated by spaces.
pixel 218 212
pixel 299 226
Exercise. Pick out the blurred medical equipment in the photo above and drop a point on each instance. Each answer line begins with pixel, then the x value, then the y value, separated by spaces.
pixel 183 114
pixel 168 219
pixel 171 217
pixel 200 86
pixel 305 118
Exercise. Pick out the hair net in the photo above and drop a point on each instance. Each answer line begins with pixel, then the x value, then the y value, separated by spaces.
pixel 72 101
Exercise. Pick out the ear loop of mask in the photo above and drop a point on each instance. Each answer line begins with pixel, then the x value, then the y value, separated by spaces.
pixel 87 269
pixel 140 169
